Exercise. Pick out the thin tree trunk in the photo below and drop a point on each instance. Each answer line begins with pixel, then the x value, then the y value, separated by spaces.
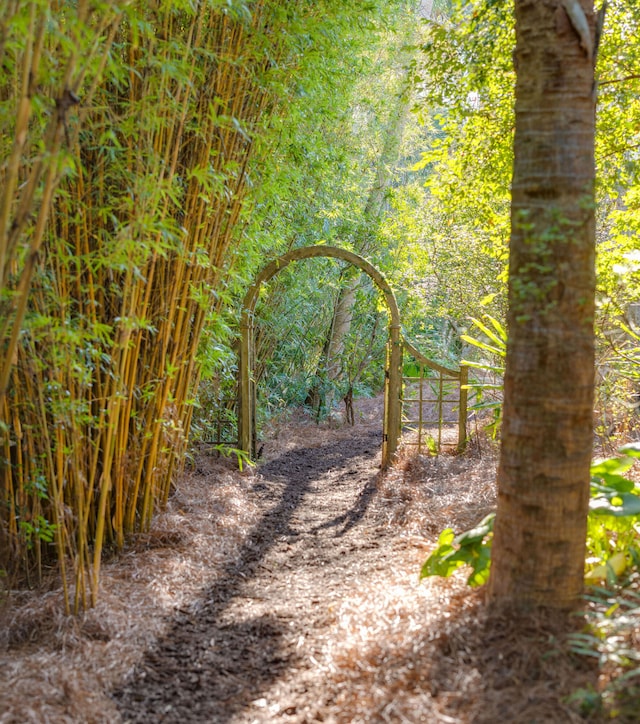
pixel 374 207
pixel 543 476
pixel 341 326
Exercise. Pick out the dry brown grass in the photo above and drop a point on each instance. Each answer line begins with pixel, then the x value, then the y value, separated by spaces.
pixel 57 668
pixel 437 656
pixel 410 651
pixel 372 643
pixel 424 494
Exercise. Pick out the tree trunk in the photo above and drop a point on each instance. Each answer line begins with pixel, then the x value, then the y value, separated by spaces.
pixel 543 476
pixel 371 215
pixel 340 327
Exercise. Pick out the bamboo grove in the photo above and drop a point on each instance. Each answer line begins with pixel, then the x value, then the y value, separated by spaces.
pixel 127 133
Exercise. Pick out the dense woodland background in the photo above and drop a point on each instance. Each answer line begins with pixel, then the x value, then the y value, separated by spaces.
pixel 155 156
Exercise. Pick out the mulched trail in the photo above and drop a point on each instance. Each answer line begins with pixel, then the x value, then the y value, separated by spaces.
pixel 289 594
pixel 265 619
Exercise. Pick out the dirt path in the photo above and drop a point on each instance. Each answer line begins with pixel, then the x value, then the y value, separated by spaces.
pixel 249 648
pixel 290 594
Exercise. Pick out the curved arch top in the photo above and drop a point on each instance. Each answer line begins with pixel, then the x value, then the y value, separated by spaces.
pixel 392 420
pixel 309 252
pixel 393 376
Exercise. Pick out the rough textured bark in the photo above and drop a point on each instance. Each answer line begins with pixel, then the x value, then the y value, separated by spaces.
pixel 543 476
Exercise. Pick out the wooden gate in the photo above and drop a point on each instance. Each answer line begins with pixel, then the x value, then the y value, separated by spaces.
pixel 392 424
pixel 247 387
pixel 433 397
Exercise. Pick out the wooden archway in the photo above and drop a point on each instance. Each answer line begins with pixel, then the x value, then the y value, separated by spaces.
pixel 393 376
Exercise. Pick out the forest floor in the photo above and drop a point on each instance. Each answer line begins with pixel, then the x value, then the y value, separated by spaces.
pixel 290 593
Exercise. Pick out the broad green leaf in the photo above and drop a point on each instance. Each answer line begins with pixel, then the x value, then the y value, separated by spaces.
pixel 481 366
pixel 613 484
pixel 481 568
pixel 500 338
pixel 631 450
pixel 611 466
pixel 477 533
pixel 446 537
pixel 470 550
pixel 482 345
pixel 441 563
pixel 620 506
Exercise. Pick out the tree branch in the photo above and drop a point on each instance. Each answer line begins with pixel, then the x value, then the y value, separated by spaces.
pixel 635 76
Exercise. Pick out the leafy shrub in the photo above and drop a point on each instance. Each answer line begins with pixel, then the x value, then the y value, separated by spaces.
pixel 488 389
pixel 612 538
pixel 472 548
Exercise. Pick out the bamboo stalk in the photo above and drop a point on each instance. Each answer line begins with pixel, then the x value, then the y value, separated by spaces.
pixel 115 265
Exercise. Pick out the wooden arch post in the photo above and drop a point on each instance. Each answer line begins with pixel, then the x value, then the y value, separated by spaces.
pixel 393 381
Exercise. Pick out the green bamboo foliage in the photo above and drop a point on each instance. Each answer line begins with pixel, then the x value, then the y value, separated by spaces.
pixel 122 193
pixel 50 55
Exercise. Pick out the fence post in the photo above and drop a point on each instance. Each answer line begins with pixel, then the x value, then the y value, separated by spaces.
pixel 392 397
pixel 246 390
pixel 462 409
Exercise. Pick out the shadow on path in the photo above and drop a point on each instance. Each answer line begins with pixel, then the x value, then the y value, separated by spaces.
pixel 352 517
pixel 210 665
